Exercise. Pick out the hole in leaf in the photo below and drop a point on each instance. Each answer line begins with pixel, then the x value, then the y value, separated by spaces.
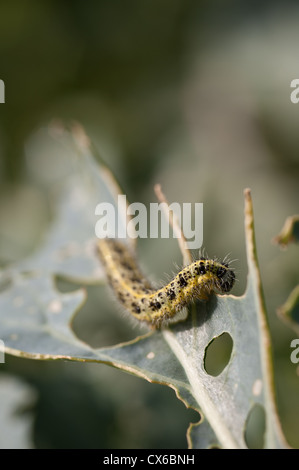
pixel 255 427
pixel 63 285
pixel 218 353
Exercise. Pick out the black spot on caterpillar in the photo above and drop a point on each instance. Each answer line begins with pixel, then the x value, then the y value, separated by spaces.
pixel 157 306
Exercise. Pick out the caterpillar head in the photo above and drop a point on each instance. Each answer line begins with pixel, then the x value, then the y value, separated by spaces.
pixel 226 278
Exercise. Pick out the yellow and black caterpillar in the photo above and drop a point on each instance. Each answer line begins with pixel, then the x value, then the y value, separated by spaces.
pixel 157 306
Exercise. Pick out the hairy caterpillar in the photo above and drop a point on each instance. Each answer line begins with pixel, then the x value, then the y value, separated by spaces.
pixel 157 306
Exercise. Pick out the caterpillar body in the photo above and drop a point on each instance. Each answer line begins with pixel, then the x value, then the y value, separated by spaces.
pixel 158 306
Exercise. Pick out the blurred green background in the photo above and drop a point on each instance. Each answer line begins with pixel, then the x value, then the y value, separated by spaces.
pixel 194 95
